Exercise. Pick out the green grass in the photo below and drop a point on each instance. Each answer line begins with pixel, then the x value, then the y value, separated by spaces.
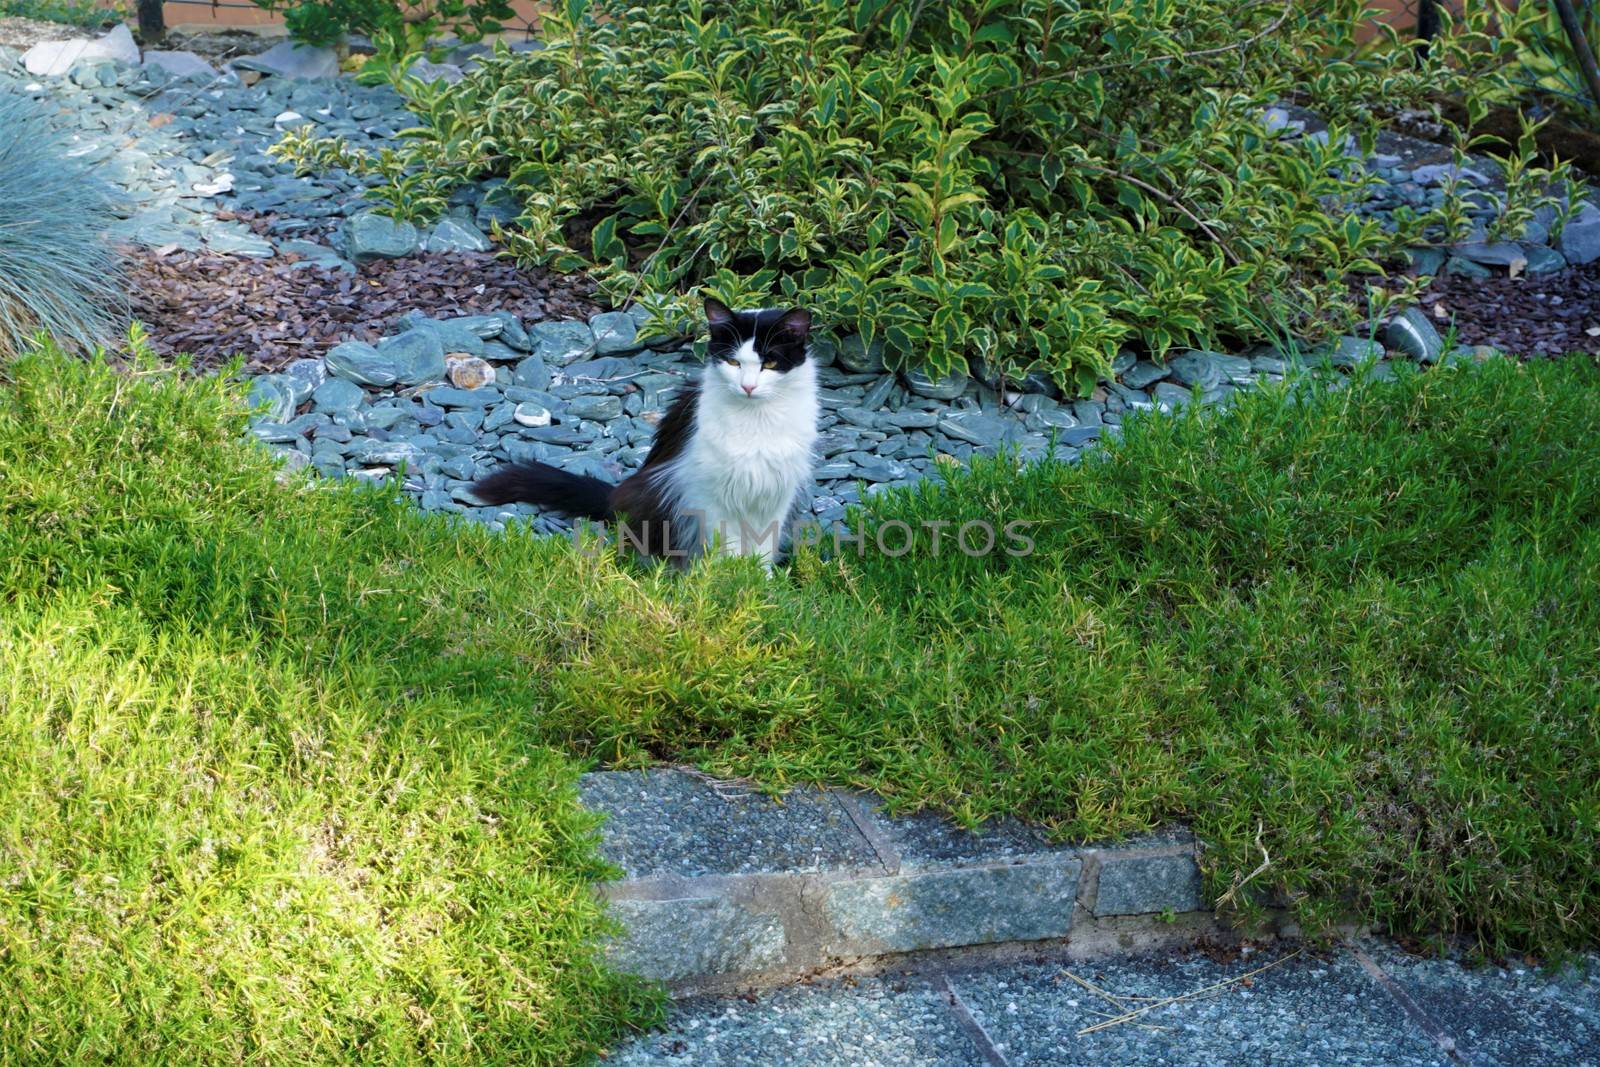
pixel 285 767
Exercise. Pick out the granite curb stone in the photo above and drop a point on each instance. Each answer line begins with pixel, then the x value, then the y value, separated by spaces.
pixel 950 908
pixel 710 866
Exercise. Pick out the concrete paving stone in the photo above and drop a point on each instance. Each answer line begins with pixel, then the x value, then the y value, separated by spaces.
pixel 1308 1011
pixel 665 822
pixel 944 909
pixel 926 839
pixel 694 937
pixel 1144 885
pixel 869 1022
pixel 1512 1015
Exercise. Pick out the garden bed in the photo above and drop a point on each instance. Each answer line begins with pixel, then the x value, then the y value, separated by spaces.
pixel 292 764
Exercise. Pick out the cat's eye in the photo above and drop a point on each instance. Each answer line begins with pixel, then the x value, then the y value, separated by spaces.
pixel 730 361
pixel 769 365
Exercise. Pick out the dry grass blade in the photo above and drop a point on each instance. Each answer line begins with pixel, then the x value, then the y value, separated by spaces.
pixel 1119 1000
pixel 1131 1016
pixel 1266 861
pixel 725 788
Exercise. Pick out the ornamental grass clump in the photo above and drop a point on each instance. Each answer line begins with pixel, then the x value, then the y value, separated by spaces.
pixel 58 272
pixel 1032 183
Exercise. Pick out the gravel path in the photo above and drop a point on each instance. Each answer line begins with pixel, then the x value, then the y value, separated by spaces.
pixel 1368 1003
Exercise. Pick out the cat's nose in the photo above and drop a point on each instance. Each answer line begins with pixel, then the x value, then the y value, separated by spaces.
pixel 749 390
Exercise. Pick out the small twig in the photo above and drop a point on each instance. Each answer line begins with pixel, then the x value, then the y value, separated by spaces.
pixel 916 13
pixel 1196 994
pixel 1118 1000
pixel 726 788
pixel 1266 861
pixel 671 229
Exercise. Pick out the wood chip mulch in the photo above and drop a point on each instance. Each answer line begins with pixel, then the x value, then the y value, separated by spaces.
pixel 273 312
pixel 1532 315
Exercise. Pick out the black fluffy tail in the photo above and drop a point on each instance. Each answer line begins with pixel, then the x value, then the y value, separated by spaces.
pixel 548 487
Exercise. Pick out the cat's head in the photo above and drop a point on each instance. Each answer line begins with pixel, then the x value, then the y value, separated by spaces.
pixel 753 353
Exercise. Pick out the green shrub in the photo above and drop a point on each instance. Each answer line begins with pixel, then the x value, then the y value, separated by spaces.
pixel 1032 182
pixel 58 272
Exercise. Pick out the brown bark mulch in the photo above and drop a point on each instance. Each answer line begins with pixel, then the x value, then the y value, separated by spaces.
pixel 1531 315
pixel 272 311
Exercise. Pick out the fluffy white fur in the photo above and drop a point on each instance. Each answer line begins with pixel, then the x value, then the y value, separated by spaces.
pixel 751 456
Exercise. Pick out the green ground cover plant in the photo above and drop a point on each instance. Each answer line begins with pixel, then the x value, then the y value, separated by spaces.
pixel 285 765
pixel 1021 183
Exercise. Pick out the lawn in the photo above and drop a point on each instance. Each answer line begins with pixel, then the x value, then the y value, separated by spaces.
pixel 286 767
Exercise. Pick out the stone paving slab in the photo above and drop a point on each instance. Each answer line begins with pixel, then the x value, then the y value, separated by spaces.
pixel 928 841
pixel 667 822
pixel 724 885
pixel 874 1023
pixel 1309 1011
pixel 952 908
pixel 1361 1003
pixel 1509 1015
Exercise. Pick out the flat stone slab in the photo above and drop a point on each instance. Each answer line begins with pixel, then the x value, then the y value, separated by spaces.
pixel 953 908
pixel 672 823
pixel 1307 1011
pixel 723 883
pixel 895 1023
pixel 1147 885
pixel 710 935
pixel 1499 1014
pixel 925 840
pixel 1365 1003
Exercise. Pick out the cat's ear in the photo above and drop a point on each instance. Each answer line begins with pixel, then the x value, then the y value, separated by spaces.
pixel 798 322
pixel 717 313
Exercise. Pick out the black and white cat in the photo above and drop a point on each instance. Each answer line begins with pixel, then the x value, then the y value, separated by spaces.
pixel 731 457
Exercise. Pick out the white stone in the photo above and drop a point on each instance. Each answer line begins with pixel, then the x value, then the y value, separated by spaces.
pixel 430 72
pixel 468 372
pixel 54 58
pixel 118 44
pixel 222 183
pixel 531 414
